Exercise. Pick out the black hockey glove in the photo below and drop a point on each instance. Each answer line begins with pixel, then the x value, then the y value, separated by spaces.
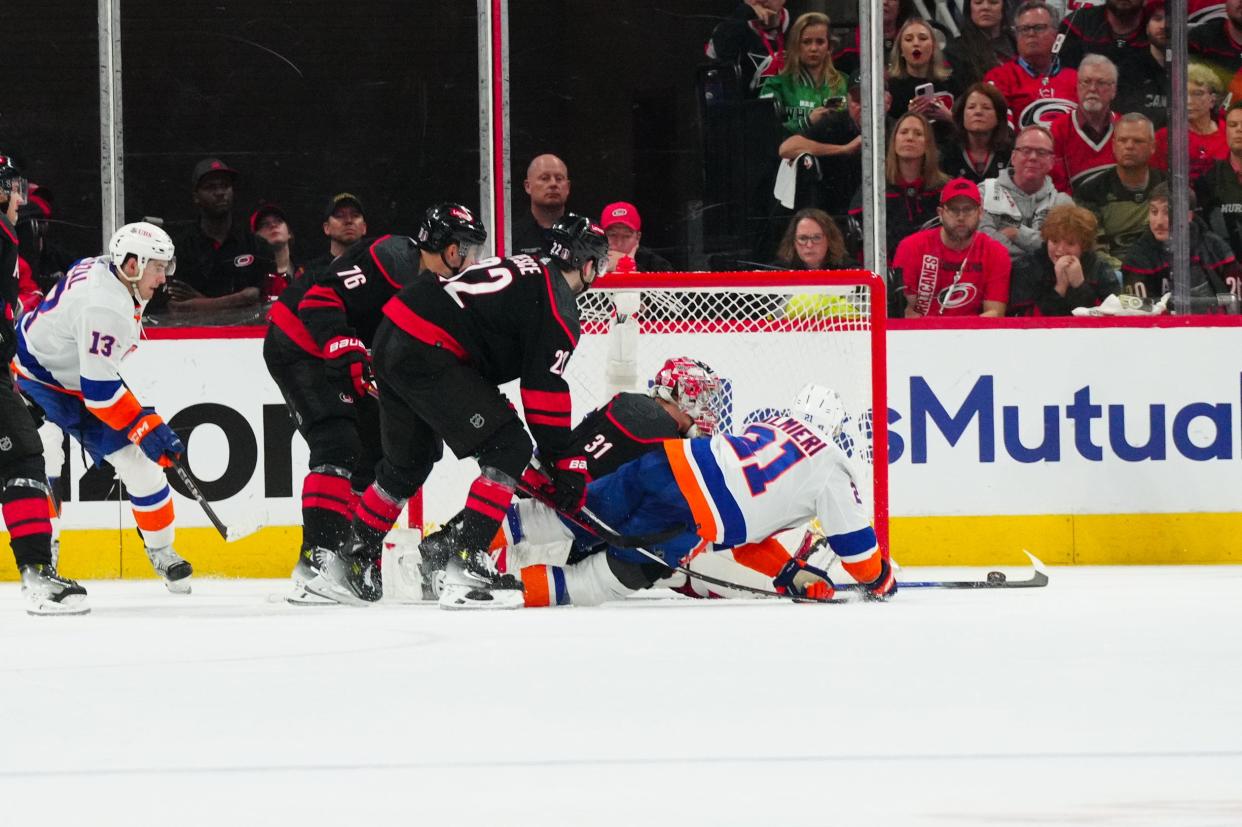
pixel 570 479
pixel 802 580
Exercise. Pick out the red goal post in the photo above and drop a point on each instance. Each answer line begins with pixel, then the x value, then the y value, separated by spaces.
pixel 766 334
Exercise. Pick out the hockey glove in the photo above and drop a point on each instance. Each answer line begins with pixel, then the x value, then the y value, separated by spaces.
pixel 348 366
pixel 800 579
pixel 570 478
pixel 156 439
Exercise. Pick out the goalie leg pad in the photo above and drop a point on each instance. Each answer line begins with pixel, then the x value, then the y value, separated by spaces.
pixel 534 535
pixel 586 583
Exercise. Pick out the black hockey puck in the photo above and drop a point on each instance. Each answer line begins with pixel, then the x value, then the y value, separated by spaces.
pixel 996 577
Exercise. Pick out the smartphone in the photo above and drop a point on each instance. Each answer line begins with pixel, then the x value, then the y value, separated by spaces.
pixel 834 103
pixel 924 90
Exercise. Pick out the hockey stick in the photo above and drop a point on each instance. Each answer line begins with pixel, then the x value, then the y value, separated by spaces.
pixel 994 579
pixel 230 534
pixel 600 530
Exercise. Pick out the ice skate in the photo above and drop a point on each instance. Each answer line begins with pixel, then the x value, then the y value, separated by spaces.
pixel 434 553
pixel 171 566
pixel 308 571
pixel 47 593
pixel 471 581
pixel 349 578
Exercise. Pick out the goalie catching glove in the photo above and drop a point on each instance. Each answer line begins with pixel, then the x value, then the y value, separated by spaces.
pixel 799 578
pixel 348 366
pixel 159 442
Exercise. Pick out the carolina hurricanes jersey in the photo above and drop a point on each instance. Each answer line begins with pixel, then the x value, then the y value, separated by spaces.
pixel 629 426
pixel 9 274
pixel 1080 157
pixel 1087 30
pixel 283 316
pixel 1034 98
pixel 1212 42
pixel 948 282
pixel 510 318
pixel 75 339
pixel 348 296
pixel 776 475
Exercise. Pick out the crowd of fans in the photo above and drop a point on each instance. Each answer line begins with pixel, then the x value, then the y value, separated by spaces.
pixel 1026 152
pixel 1027 148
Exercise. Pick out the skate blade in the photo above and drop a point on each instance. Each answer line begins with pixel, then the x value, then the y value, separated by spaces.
pixel 329 591
pixel 456 597
pixel 73 605
pixel 302 595
pixel 182 586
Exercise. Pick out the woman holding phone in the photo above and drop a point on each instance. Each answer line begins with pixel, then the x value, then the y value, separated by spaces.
pixel 808 87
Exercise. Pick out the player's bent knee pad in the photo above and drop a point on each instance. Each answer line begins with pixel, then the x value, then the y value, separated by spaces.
pixel 508 451
pixel 334 442
pixel 401 482
pixel 141 475
pixel 634 574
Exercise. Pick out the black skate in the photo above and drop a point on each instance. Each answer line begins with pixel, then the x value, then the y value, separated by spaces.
pixel 171 566
pixel 47 593
pixel 471 581
pixel 434 553
pixel 307 576
pixel 353 575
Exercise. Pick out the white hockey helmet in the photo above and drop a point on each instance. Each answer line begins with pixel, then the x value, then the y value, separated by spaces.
pixel 145 242
pixel 693 387
pixel 821 408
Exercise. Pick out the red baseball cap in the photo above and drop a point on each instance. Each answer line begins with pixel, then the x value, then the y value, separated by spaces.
pixel 621 212
pixel 262 212
pixel 960 188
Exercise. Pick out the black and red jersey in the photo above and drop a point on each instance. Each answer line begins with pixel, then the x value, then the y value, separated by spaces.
pixel 629 426
pixel 1211 41
pixel 1034 98
pixel 283 316
pixel 1087 29
pixel 347 298
pixel 8 267
pixel 511 318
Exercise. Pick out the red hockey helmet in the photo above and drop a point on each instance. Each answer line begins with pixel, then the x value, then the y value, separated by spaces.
pixel 693 387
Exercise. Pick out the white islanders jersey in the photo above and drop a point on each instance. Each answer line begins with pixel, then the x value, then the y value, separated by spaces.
pixel 775 476
pixel 75 339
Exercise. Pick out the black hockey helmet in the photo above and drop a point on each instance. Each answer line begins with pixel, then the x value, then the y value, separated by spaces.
pixel 450 223
pixel 574 240
pixel 10 175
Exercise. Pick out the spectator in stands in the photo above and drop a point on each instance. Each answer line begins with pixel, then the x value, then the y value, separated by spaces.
pixel 1063 271
pixel 914 178
pixel 1116 30
pixel 547 184
pixel 986 42
pixel 808 88
pixel 1220 188
pixel 812 241
pixel 953 269
pixel 219 266
pixel 896 12
pixel 979 148
pixel 1084 137
pixel 624 228
pixel 1218 42
pixel 41 260
pixel 752 40
pixel 269 223
pixel 1017 201
pixel 344 224
pixel 836 144
pixel 1207 139
pixel 1036 85
pixel 1119 196
pixel 918 77
pixel 1146 267
pixel 1146 88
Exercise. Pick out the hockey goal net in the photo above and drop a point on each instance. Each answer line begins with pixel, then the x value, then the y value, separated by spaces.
pixel 764 334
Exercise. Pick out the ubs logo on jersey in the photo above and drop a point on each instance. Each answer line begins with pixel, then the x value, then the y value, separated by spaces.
pixel 1044 111
pixel 243 261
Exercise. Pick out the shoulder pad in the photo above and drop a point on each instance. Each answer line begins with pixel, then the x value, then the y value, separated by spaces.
pixel 642 416
pixel 398 255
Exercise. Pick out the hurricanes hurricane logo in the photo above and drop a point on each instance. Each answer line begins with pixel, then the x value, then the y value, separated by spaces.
pixel 957 295
pixel 1045 110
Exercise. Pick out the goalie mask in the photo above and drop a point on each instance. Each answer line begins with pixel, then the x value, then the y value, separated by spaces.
pixel 145 242
pixel 821 408
pixel 693 387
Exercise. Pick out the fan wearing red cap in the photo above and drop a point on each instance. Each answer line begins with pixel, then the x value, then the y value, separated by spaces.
pixel 269 223
pixel 953 269
pixel 624 228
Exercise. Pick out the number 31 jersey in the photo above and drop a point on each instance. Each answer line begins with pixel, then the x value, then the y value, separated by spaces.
pixel 775 476
pixel 75 339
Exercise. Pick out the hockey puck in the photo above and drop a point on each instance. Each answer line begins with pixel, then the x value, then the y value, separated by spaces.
pixel 996 577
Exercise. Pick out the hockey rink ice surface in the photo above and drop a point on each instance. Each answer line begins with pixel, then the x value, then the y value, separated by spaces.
pixel 1111 697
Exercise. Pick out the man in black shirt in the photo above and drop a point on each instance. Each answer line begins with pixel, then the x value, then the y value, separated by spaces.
pixel 624 228
pixel 219 265
pixel 547 184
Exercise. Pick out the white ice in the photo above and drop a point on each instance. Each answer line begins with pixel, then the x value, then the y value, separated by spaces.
pixel 1112 697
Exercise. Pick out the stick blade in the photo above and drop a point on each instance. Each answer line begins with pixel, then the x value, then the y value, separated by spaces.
pixel 243 528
